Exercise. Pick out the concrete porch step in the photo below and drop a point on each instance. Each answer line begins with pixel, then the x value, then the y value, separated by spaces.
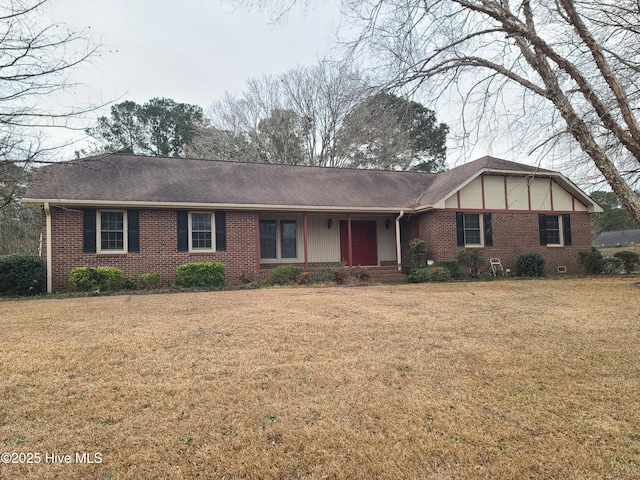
pixel 386 275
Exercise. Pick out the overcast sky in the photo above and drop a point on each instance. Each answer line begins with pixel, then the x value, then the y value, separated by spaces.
pixel 191 51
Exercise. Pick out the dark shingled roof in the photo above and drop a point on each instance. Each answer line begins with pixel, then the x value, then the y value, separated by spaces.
pixel 614 239
pixel 130 178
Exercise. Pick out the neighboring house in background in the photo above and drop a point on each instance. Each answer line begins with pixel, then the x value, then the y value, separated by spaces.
pixel 622 240
pixel 150 214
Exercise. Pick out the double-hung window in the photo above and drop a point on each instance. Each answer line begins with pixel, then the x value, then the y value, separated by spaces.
pixel 555 230
pixel 474 229
pixel 200 232
pixel 112 231
pixel 278 239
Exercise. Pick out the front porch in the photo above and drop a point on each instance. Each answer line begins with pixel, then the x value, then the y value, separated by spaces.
pixel 312 239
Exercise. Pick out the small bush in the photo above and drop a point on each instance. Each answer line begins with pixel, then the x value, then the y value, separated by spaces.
pixel 592 261
pixel 430 274
pixel 149 281
pixel 22 274
pixel 531 265
pixel 200 275
pixel 360 275
pixel 96 279
pixel 470 260
pixel 612 265
pixel 629 259
pixel 339 275
pixel 417 253
pixel 284 274
pixel 452 265
pixel 304 278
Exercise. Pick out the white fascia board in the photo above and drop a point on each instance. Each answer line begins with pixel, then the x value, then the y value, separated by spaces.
pixel 207 206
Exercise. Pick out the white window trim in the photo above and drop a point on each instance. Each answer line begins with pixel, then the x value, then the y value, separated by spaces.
pixel 213 233
pixel 560 233
pixel 481 220
pixel 279 258
pixel 125 233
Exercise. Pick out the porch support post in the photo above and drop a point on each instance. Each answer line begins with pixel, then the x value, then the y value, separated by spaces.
pixel 398 245
pixel 350 240
pixel 306 241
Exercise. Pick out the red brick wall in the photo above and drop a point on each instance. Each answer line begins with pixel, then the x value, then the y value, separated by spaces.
pixel 158 247
pixel 513 234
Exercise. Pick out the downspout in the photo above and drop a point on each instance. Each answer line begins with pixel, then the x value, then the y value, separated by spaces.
pixel 306 241
pixel 398 246
pixel 47 213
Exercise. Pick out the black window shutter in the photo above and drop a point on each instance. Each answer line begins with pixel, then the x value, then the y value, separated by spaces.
pixel 221 231
pixel 566 228
pixel 89 230
pixel 183 231
pixel 460 228
pixel 488 230
pixel 542 221
pixel 133 230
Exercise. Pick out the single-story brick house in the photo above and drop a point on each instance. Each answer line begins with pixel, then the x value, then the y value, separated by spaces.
pixel 150 214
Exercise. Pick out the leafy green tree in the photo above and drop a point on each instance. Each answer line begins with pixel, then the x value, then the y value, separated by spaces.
pixel 160 127
pixel 614 216
pixel 392 132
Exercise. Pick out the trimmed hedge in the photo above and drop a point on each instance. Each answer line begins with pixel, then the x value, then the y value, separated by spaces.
pixel 96 279
pixel 284 274
pixel 531 265
pixel 149 281
pixel 430 274
pixel 200 275
pixel 22 274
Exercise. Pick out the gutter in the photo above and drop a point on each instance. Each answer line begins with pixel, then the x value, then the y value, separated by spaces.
pixel 47 212
pixel 398 246
pixel 217 206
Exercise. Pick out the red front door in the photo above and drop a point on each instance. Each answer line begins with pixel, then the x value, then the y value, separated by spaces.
pixel 364 241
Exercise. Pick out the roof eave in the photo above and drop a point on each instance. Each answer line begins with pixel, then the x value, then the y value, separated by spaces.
pixel 213 206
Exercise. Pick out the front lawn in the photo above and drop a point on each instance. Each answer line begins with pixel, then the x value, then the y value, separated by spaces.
pixel 497 380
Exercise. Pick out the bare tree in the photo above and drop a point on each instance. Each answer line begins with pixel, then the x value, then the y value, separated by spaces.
pixel 317 99
pixel 37 58
pixel 560 68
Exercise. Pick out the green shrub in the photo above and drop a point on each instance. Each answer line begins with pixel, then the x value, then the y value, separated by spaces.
pixel 592 261
pixel 531 265
pixel 611 265
pixel 417 253
pixel 284 274
pixel 149 281
pixel 304 278
pixel 359 274
pixel 470 260
pixel 452 265
pixel 96 279
pixel 339 275
pixel 200 275
pixel 629 259
pixel 430 274
pixel 22 274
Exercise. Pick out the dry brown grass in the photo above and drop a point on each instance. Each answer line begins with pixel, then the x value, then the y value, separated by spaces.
pixel 508 379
